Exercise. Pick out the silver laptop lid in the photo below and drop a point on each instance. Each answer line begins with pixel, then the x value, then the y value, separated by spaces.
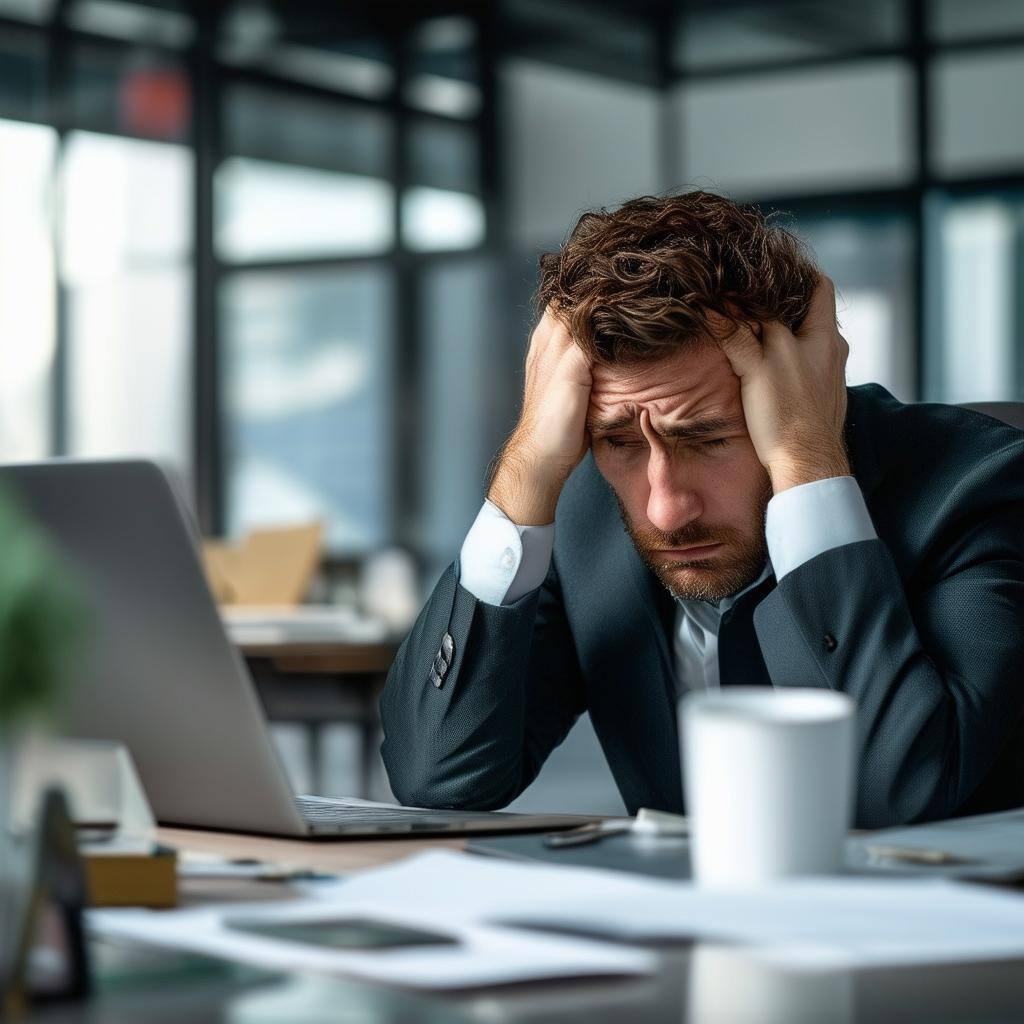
pixel 158 672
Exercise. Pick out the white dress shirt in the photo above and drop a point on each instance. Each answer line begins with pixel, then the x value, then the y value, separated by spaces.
pixel 501 562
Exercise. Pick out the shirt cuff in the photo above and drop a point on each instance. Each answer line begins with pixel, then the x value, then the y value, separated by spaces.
pixel 500 562
pixel 805 521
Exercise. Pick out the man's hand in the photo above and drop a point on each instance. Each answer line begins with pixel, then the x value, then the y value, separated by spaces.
pixel 793 389
pixel 551 437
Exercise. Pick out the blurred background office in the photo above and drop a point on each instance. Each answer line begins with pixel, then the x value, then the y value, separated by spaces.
pixel 289 247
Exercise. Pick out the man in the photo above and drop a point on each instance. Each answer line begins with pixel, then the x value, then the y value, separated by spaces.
pixel 692 498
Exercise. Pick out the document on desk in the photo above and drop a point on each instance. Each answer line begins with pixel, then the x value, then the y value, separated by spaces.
pixel 828 923
pixel 301 624
pixel 480 955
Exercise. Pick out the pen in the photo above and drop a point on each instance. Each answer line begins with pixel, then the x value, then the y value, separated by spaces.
pixel 913 855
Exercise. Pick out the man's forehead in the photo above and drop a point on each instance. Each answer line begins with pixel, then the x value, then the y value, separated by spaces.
pixel 688 381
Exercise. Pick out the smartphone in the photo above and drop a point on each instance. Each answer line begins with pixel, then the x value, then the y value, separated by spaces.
pixel 355 933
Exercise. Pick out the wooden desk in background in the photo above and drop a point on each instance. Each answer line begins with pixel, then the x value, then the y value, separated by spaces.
pixel 332 856
pixel 317 683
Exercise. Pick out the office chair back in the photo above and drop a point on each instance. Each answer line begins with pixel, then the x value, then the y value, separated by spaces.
pixel 1009 412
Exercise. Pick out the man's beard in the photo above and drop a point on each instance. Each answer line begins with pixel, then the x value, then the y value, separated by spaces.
pixel 705 580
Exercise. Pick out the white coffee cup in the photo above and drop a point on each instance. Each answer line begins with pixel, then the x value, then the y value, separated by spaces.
pixel 768 776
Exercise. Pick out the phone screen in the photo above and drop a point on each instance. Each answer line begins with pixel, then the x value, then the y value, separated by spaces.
pixel 347 933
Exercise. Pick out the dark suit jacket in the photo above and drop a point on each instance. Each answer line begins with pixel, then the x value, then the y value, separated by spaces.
pixel 928 623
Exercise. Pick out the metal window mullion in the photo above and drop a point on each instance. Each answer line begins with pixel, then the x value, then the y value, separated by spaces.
pixel 207 440
pixel 406 346
pixel 920 63
pixel 57 81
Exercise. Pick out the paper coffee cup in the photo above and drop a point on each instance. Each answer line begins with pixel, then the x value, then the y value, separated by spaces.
pixel 769 781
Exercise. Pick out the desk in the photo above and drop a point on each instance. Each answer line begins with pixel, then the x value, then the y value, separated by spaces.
pixel 316 683
pixel 701 983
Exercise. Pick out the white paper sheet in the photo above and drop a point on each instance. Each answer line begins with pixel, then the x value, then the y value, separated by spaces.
pixel 485 955
pixel 814 923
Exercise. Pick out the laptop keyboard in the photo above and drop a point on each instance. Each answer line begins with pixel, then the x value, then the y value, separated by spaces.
pixel 319 811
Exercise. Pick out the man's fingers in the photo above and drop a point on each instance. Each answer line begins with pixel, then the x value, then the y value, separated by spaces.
pixel 574 365
pixel 743 350
pixel 821 314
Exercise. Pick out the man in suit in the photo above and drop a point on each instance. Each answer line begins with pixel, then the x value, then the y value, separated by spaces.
pixel 692 498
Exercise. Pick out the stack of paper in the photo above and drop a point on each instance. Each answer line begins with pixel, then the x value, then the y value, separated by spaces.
pixel 483 955
pixel 839 923
pixel 828 922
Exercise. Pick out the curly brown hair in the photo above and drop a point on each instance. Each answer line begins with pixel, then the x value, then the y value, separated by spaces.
pixel 633 283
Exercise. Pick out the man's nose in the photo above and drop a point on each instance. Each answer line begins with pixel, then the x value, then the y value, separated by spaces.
pixel 672 503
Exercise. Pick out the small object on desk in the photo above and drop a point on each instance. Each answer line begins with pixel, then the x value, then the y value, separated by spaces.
pixel 355 933
pixel 202 865
pixel 129 875
pixel 913 855
pixel 648 823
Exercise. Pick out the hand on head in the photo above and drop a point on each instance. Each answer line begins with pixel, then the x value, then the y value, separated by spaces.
pixel 551 437
pixel 793 387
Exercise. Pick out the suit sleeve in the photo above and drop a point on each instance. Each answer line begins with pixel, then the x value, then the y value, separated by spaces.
pixel 935 675
pixel 509 695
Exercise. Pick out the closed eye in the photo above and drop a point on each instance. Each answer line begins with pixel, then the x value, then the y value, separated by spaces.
pixel 710 444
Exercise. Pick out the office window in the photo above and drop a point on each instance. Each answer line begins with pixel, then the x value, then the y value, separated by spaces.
pixel 277 211
pixel 574 141
pixel 304 178
pixel 129 90
pixel 605 40
pixel 163 23
pixel 710 36
pixel 870 259
pixel 22 74
pixel 267 124
pixel 444 76
pixel 306 382
pixel 787 133
pixel 443 208
pixel 979 19
pixel 978 122
pixel 126 246
pixel 27 289
pixel 976 329
pixel 469 376
pixel 322 47
pixel 38 11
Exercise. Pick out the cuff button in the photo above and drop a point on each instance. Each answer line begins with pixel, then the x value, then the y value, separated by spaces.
pixel 831 643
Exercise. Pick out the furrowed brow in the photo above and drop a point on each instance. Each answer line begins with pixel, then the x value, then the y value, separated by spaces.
pixel 607 426
pixel 697 431
pixel 701 429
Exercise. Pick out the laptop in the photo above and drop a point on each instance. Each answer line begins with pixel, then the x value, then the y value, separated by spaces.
pixel 159 674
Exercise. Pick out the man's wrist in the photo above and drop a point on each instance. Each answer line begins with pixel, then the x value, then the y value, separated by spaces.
pixel 807 467
pixel 523 507
pixel 524 490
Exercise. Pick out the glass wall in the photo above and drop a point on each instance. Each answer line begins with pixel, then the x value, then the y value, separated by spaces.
pixel 27 289
pixel 308 401
pixel 373 191
pixel 977 307
pixel 125 264
pixel 870 257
